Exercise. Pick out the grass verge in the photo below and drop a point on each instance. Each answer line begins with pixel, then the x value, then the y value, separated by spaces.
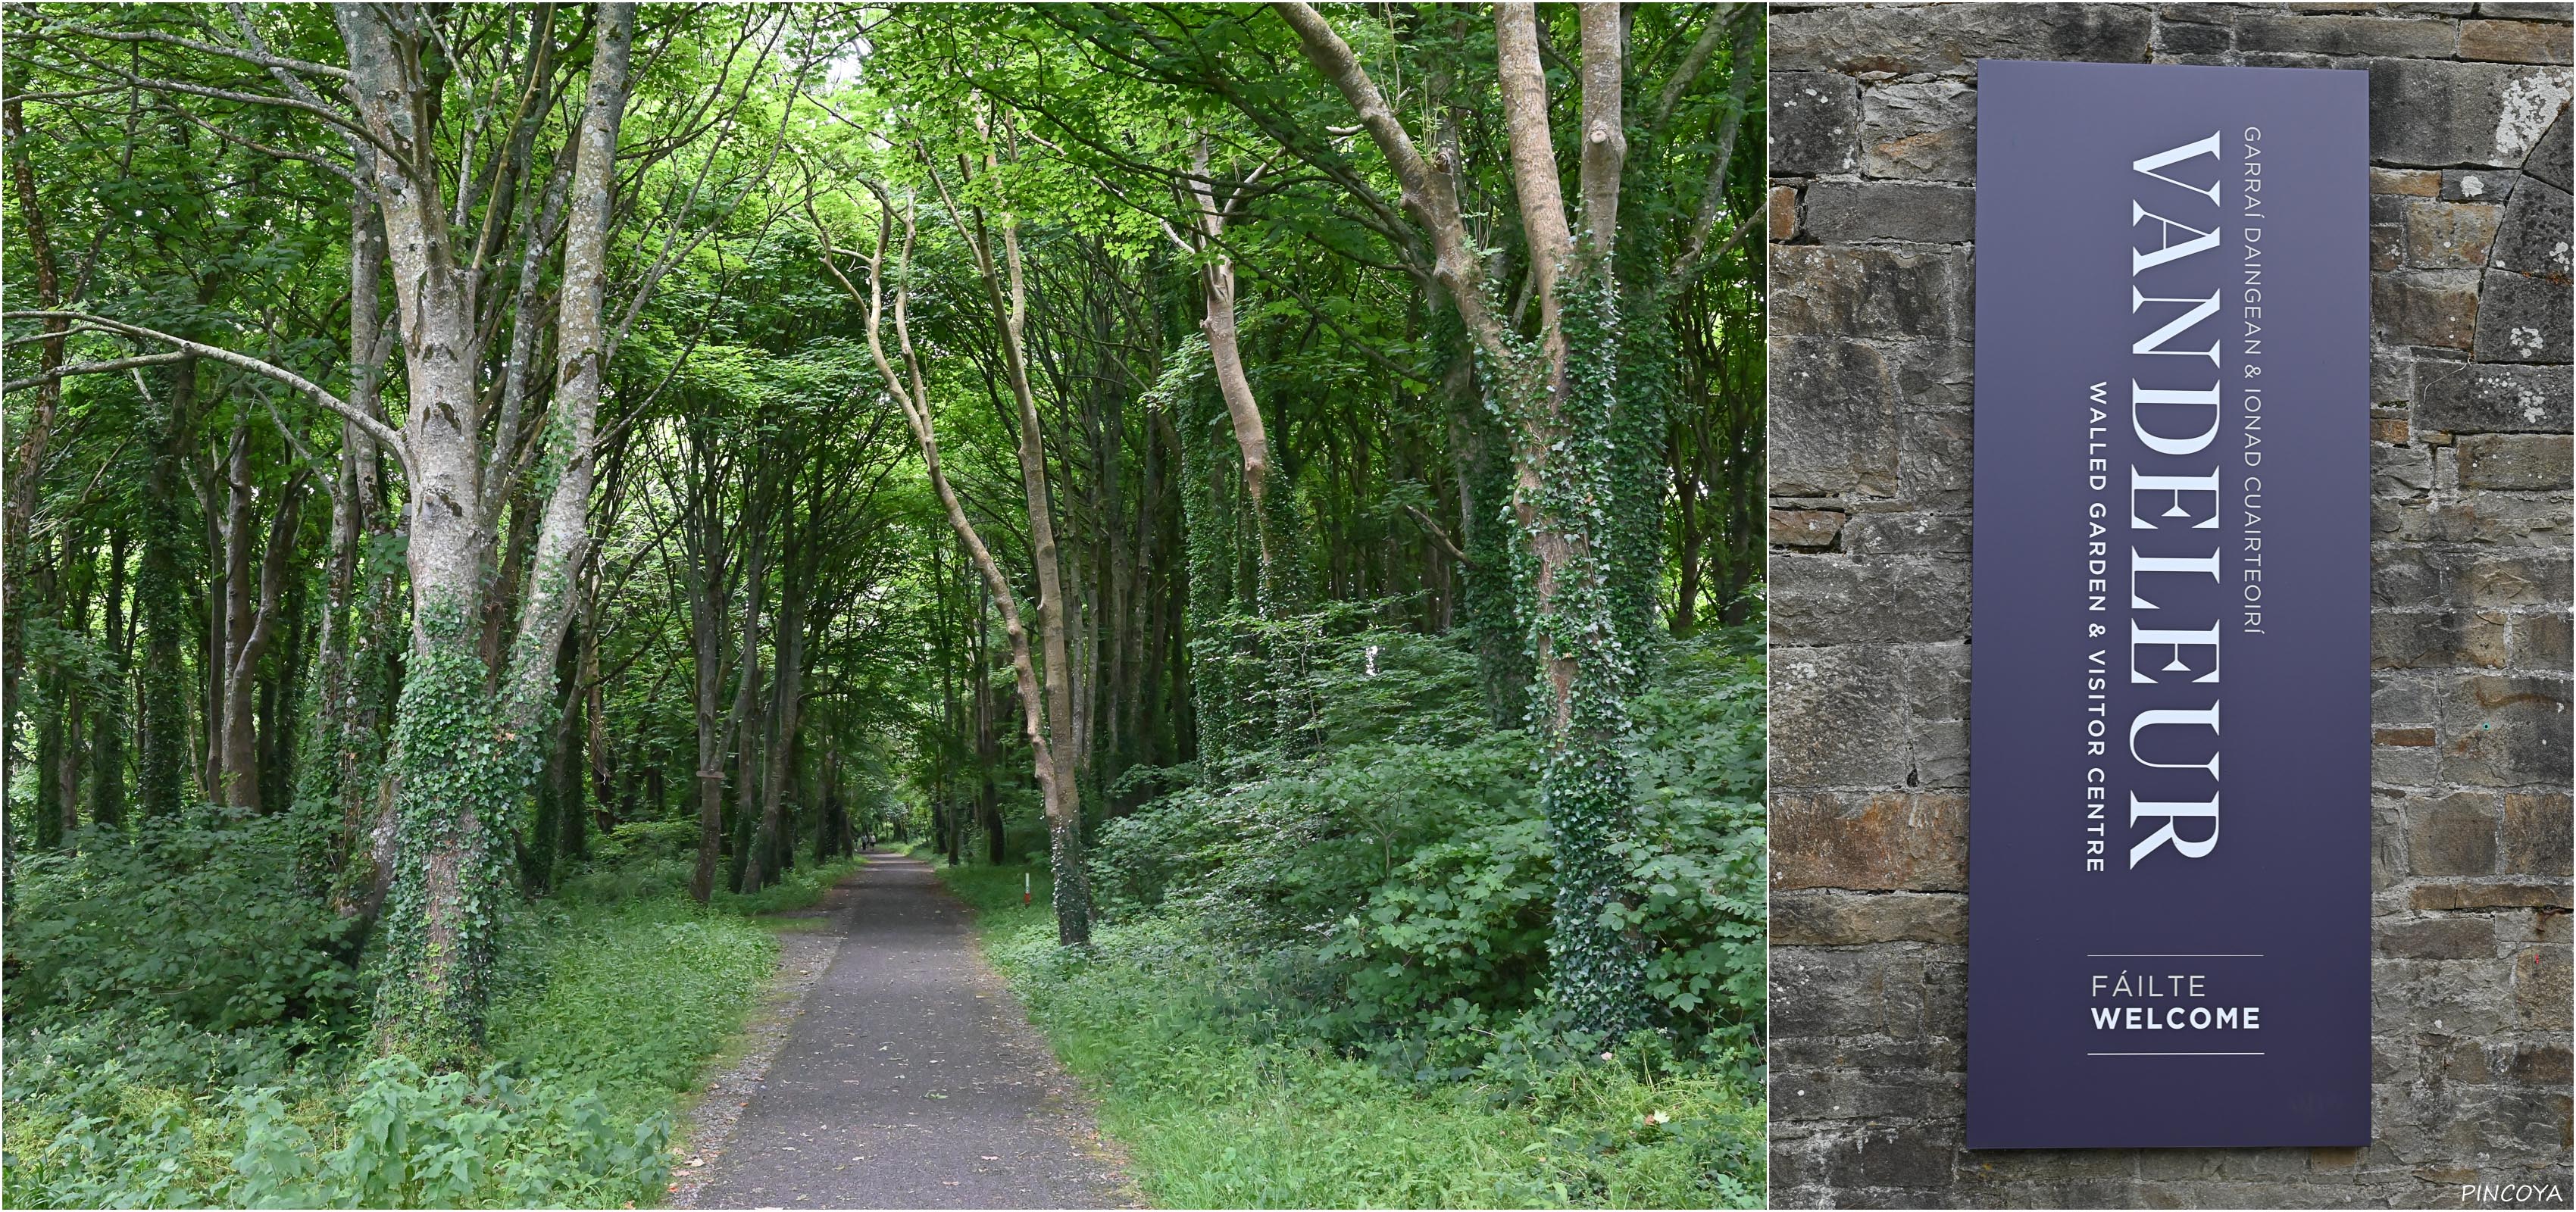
pixel 1219 1112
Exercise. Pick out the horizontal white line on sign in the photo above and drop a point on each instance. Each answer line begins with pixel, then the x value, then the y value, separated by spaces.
pixel 2173 1054
pixel 2171 955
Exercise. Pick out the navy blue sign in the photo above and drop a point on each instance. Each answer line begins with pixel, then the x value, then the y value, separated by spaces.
pixel 2169 845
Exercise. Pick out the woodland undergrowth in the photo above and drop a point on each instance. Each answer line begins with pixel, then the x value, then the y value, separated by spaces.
pixel 160 1056
pixel 1322 981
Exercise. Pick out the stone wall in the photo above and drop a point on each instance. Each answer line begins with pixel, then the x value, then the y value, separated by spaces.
pixel 1873 159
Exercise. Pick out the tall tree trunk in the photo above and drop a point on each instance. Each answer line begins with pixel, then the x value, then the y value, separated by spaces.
pixel 1559 403
pixel 1054 774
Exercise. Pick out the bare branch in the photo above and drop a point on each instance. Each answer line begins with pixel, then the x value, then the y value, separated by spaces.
pixel 376 429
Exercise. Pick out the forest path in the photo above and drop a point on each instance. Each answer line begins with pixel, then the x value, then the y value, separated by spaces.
pixel 911 1078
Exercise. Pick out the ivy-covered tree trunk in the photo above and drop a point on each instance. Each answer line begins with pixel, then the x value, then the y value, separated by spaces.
pixel 1556 396
pixel 464 747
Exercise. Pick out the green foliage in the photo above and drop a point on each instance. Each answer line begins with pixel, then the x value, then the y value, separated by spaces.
pixel 1393 895
pixel 128 928
pixel 410 1140
pixel 626 999
pixel 1222 1108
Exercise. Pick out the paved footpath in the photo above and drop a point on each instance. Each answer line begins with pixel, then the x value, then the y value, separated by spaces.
pixel 911 1078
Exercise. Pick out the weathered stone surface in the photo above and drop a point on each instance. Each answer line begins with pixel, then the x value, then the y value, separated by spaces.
pixel 1901 991
pixel 1856 212
pixel 1887 293
pixel 2533 237
pixel 2460 397
pixel 1838 717
pixel 2186 38
pixel 2506 731
pixel 2549 160
pixel 1805 527
pixel 2489 185
pixel 2535 835
pixel 1861 599
pixel 1832 423
pixel 2455 835
pixel 2442 936
pixel 2523 319
pixel 1814 124
pixel 2541 988
pixel 1906 534
pixel 2491 895
pixel 2346 36
pixel 2418 639
pixel 1914 842
pixel 2450 235
pixel 2431 307
pixel 2540 638
pixel 1782 215
pixel 1828 917
pixel 2435 113
pixel 2406 182
pixel 1949 39
pixel 2531 461
pixel 2514 41
pixel 1924 129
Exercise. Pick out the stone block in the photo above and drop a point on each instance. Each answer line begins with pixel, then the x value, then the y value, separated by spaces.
pixel 1814 124
pixel 2433 307
pixel 2432 113
pixel 1924 129
pixel 1949 39
pixel 1782 215
pixel 1805 527
pixel 2467 997
pixel 2523 319
pixel 2516 460
pixel 1906 534
pixel 2419 639
pixel 1838 716
pixel 2187 38
pixel 2392 377
pixel 1902 991
pixel 2406 182
pixel 2346 37
pixel 2489 185
pixel 2454 835
pixel 2514 41
pixel 2442 936
pixel 2387 246
pixel 1864 599
pixel 1830 917
pixel 1936 457
pixel 2533 236
pixel 2450 235
pixel 2507 731
pixel 1888 841
pixel 1840 212
pixel 2535 832
pixel 2460 397
pixel 2549 160
pixel 1832 424
pixel 1917 294
pixel 2489 895
pixel 2541 991
pixel 2540 638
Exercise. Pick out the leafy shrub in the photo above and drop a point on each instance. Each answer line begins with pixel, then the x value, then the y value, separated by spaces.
pixel 1393 891
pixel 192 917
pixel 409 1140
